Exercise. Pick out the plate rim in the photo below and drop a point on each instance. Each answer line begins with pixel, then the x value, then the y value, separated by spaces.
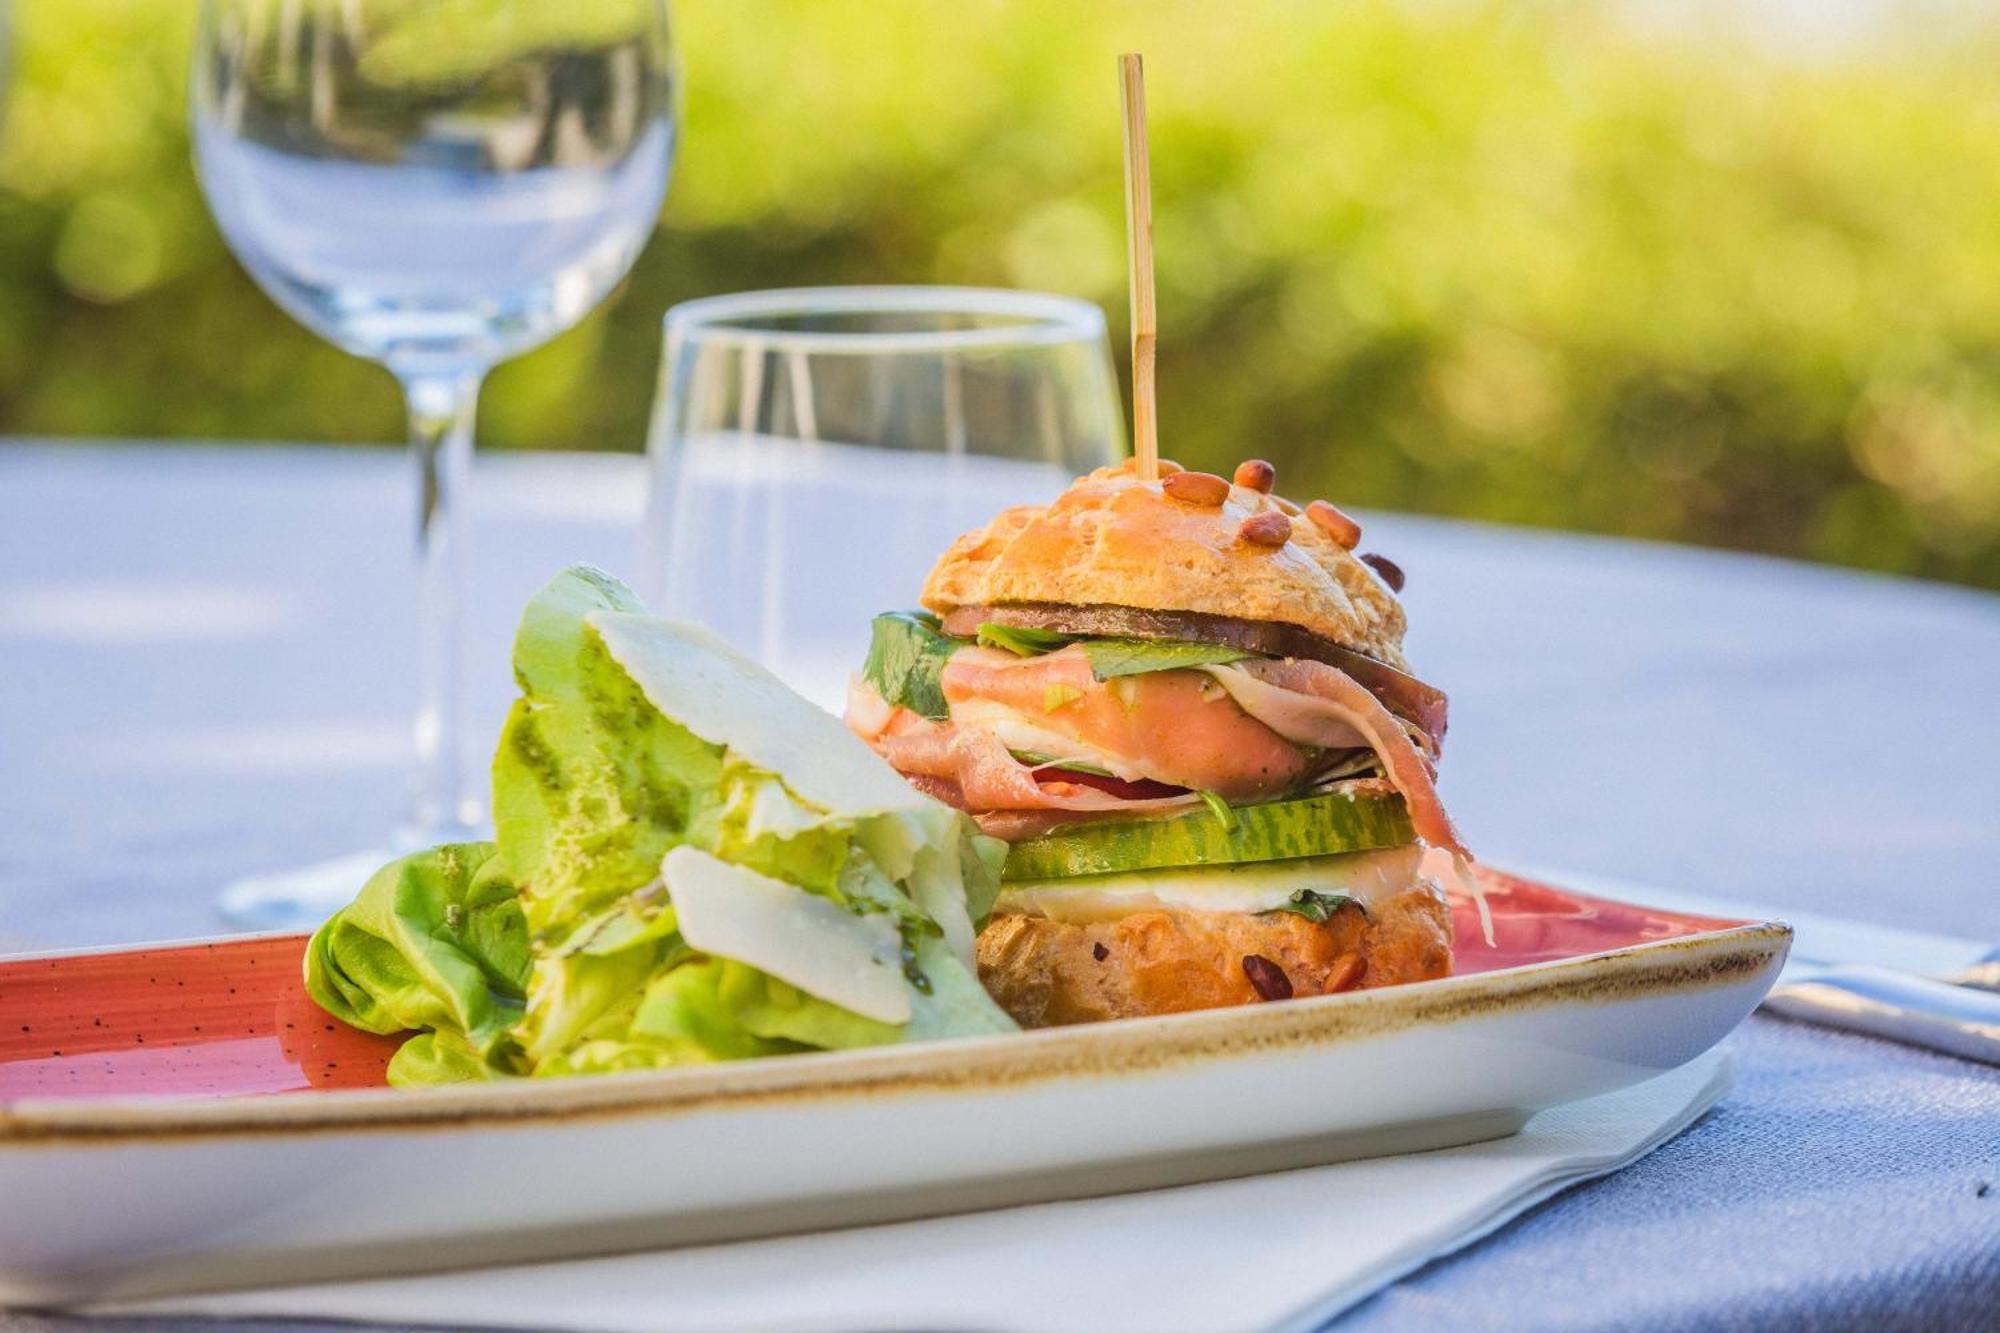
pixel 1703 960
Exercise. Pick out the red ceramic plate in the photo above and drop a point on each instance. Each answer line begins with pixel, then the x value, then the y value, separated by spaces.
pixel 230 1017
pixel 141 1151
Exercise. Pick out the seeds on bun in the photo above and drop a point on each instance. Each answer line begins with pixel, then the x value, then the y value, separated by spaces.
pixel 1113 540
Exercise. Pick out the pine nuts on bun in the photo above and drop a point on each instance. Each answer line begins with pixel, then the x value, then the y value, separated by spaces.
pixel 1114 540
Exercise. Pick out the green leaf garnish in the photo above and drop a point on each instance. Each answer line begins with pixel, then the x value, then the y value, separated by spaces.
pixel 1036 759
pixel 906 655
pixel 1110 658
pixel 1315 906
pixel 1020 641
pixel 1220 809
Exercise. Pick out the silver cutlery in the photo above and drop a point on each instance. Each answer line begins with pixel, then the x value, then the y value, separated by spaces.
pixel 1958 1014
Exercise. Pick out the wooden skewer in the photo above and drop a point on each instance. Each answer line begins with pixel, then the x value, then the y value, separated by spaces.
pixel 1139 243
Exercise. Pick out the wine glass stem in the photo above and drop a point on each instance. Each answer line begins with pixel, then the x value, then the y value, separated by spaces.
pixel 441 411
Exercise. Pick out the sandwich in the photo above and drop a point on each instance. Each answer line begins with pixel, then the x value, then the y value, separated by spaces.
pixel 1184 704
pixel 691 863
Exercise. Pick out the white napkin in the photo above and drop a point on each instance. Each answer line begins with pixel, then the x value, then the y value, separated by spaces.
pixel 1283 1251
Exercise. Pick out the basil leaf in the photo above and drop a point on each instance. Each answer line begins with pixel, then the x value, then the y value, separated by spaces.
pixel 906 655
pixel 1036 759
pixel 1315 906
pixel 1021 642
pixel 1110 658
pixel 1221 810
pixel 1133 657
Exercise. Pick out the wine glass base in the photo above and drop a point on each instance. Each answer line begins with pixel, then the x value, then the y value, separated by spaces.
pixel 301 897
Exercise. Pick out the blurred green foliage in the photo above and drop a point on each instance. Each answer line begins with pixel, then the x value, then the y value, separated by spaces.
pixel 1540 262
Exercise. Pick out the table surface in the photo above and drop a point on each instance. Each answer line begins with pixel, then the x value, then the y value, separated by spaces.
pixel 205 657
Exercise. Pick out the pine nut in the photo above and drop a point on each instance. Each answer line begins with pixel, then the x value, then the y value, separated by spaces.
pixel 1196 488
pixel 1345 975
pixel 1269 528
pixel 1256 474
pixel 1344 530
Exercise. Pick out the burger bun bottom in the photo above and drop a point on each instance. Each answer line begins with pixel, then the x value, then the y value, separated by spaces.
pixel 1048 973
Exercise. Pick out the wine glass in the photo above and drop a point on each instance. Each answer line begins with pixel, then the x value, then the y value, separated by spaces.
pixel 435 186
pixel 814 451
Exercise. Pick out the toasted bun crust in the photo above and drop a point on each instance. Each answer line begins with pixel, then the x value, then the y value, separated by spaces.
pixel 1111 539
pixel 1046 973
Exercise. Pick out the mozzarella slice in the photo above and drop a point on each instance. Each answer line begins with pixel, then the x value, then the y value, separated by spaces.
pixel 1367 877
pixel 1021 733
pixel 798 937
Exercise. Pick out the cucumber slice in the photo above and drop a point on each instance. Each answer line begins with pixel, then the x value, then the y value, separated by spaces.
pixel 1275 830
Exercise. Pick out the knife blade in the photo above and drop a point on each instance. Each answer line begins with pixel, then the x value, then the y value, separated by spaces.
pixel 1940 1015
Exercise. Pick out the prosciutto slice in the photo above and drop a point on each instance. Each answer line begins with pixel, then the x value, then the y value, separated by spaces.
pixel 1401 692
pixel 1303 702
pixel 975 763
pixel 1173 727
pixel 1017 825
pixel 993 779
pixel 1315 698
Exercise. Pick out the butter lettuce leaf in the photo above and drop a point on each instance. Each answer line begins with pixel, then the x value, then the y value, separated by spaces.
pixel 702 1009
pixel 757 822
pixel 557 950
pixel 591 785
pixel 777 1011
pixel 722 1009
pixel 434 941
pixel 685 1014
pixel 431 1058
pixel 437 943
pixel 580 995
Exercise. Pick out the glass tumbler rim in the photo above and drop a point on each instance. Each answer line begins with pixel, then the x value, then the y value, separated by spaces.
pixel 1045 318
